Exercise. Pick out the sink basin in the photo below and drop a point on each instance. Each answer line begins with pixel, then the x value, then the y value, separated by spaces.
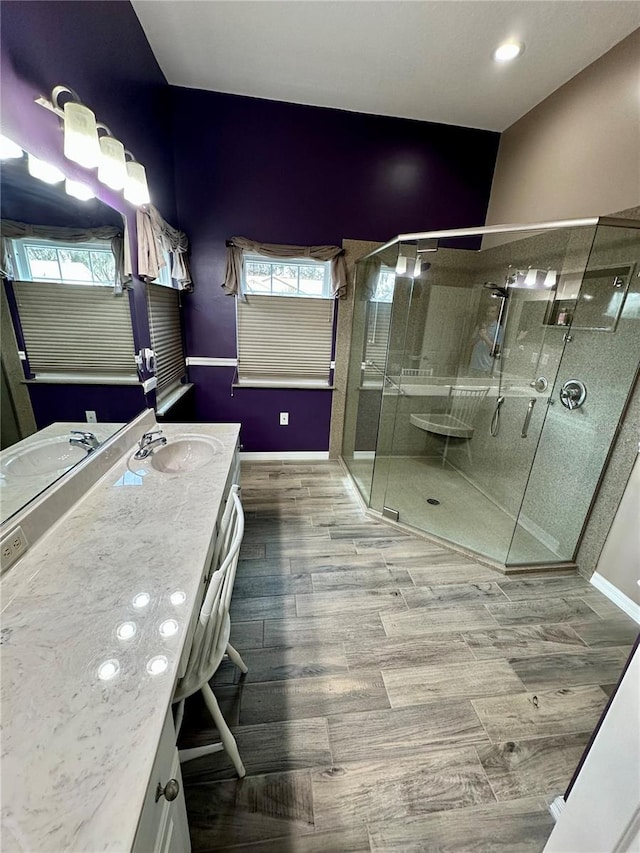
pixel 48 456
pixel 181 455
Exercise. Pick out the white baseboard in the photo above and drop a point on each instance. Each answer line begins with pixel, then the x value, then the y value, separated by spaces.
pixel 556 808
pixel 288 456
pixel 364 454
pixel 197 361
pixel 619 598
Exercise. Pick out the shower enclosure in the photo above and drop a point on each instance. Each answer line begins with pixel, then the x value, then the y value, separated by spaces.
pixel 488 374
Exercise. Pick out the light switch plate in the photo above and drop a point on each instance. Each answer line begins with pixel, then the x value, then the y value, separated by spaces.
pixel 12 547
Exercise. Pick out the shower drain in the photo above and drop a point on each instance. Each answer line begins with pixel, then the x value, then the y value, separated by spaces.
pixel 433 501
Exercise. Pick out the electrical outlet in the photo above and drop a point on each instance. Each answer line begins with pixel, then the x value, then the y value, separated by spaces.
pixel 13 546
pixel 91 417
pixel 284 418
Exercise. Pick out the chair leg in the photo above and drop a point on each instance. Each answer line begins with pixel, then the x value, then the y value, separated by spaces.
pixel 236 659
pixel 225 734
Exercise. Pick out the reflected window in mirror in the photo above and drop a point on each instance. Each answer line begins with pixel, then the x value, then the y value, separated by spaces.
pixel 165 327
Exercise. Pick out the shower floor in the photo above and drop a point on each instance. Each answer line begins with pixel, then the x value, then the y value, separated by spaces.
pixel 464 516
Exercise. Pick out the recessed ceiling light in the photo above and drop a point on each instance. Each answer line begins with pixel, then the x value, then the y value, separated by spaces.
pixel 508 50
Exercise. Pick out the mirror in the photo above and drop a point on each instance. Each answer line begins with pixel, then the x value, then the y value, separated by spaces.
pixel 68 371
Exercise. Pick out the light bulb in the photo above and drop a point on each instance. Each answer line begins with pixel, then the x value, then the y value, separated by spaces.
pixel 531 277
pixel 126 630
pixel 157 665
pixel 81 135
pixel 135 189
pixel 108 670
pixel 168 628
pixel 141 599
pixel 112 169
pixel 9 150
pixel 550 278
pixel 508 50
pixel 417 267
pixel 44 171
pixel 78 190
pixel 178 597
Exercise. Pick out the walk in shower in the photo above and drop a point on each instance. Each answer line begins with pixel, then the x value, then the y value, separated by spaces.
pixel 489 370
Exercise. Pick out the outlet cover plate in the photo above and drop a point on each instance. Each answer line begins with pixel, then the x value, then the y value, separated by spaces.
pixel 12 547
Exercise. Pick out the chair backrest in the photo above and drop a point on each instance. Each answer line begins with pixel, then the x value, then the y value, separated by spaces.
pixel 211 634
pixel 464 401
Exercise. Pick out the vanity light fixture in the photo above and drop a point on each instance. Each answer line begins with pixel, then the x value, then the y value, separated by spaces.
pixel 117 168
pixel 44 171
pixel 508 50
pixel 9 150
pixel 135 189
pixel 78 190
pixel 550 279
pixel 178 597
pixel 157 665
pixel 141 600
pixel 531 277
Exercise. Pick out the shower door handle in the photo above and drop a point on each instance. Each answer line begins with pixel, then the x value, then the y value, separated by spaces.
pixel 527 417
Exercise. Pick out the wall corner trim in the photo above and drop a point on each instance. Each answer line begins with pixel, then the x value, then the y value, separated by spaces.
pixel 618 598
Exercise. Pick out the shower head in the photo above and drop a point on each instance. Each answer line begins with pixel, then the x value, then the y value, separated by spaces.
pixel 497 292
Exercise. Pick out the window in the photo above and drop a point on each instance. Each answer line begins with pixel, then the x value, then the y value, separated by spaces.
pixel 285 325
pixel 75 263
pixel 166 337
pixel 73 327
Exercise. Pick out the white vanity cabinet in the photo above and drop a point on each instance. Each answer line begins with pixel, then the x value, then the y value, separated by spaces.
pixel 163 826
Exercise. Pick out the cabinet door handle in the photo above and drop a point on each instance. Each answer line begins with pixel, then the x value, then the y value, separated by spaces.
pixel 527 418
pixel 170 790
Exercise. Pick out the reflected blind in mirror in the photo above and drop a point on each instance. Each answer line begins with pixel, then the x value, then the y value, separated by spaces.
pixel 166 335
pixel 75 329
pixel 284 339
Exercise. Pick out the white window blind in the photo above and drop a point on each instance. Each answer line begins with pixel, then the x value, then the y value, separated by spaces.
pixel 284 340
pixel 377 339
pixel 76 329
pixel 166 335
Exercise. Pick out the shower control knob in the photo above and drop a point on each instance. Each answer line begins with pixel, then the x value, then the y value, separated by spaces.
pixel 573 394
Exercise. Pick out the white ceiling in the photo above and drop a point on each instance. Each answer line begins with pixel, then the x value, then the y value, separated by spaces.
pixel 421 59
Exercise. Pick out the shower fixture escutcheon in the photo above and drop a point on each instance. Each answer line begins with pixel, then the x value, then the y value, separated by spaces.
pixel 573 394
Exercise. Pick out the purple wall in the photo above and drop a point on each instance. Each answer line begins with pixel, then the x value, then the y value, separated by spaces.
pixel 53 403
pixel 285 173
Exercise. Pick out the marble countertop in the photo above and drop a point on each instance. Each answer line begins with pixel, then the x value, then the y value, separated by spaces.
pixel 77 751
pixel 16 490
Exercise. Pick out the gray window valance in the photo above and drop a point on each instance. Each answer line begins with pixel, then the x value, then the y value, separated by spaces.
pixel 155 236
pixel 237 245
pixel 10 229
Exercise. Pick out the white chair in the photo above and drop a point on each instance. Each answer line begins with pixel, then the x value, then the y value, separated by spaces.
pixel 211 638
pixel 457 421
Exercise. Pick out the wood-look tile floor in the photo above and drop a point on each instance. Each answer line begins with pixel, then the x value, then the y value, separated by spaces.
pixel 399 697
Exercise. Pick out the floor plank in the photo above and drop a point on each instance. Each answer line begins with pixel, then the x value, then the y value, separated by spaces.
pixel 299 661
pixel 389 653
pixel 423 621
pixel 339 563
pixel 552 712
pixel 349 601
pixel 369 578
pixel 517 827
pixel 524 589
pixel 418 684
pixel 540 766
pixel 403 731
pixel 442 573
pixel 383 789
pixel 541 611
pixel 453 594
pixel 548 672
pixel 267 607
pixel 524 641
pixel 321 629
pixel 256 808
pixel 265 748
pixel 312 697
pixel 248 585
pixel 618 630
pixel 342 840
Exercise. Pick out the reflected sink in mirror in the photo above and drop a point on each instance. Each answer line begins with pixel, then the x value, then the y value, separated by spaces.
pixel 49 456
pixel 179 456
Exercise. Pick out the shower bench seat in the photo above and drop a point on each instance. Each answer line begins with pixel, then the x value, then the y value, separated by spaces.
pixel 442 424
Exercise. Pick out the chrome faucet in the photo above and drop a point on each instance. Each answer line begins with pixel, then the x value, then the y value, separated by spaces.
pixel 148 443
pixel 79 438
